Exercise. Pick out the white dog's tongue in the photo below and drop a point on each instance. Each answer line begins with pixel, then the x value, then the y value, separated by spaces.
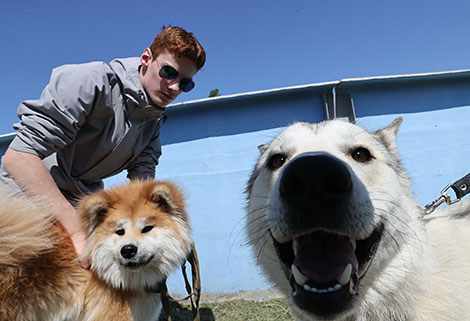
pixel 323 257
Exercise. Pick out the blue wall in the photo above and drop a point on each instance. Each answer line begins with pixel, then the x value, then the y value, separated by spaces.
pixel 210 147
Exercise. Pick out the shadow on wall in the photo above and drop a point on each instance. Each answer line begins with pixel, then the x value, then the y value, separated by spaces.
pixel 231 117
pixel 243 114
pixel 3 149
pixel 407 96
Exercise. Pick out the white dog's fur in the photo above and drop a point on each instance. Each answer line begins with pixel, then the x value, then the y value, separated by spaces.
pixel 421 267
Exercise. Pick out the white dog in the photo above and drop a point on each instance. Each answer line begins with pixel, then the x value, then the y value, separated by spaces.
pixel 333 223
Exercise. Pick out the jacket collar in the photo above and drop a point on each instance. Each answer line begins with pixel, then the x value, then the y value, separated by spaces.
pixel 127 70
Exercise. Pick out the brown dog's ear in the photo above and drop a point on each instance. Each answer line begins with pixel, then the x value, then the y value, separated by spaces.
pixel 162 198
pixel 93 209
pixel 169 198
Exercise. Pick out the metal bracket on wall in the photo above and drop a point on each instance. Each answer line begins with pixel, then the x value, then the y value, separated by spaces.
pixel 339 106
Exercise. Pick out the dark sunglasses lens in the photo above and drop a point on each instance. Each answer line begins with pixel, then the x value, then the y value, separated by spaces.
pixel 186 84
pixel 168 72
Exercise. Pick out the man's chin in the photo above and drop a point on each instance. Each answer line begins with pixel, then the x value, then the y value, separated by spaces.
pixel 162 103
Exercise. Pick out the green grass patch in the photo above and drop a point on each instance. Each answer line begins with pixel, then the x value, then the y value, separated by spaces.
pixel 234 310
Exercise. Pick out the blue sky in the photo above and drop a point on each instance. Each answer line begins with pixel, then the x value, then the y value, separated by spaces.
pixel 250 45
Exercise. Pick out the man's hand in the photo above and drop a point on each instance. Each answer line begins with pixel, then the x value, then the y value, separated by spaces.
pixel 35 180
pixel 79 242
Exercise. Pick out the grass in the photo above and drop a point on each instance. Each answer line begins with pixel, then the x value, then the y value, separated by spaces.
pixel 233 310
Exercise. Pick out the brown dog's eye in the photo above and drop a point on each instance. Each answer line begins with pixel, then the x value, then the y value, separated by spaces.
pixel 120 232
pixel 361 155
pixel 147 229
pixel 276 161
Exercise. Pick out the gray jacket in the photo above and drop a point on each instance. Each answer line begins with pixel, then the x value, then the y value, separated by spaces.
pixel 92 121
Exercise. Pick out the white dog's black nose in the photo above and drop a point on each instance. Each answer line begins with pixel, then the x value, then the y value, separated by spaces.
pixel 314 187
pixel 315 176
pixel 128 251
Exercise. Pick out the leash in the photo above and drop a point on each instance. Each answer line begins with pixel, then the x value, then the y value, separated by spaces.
pixel 460 187
pixel 194 292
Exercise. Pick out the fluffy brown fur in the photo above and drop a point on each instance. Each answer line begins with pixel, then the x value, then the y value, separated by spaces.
pixel 40 278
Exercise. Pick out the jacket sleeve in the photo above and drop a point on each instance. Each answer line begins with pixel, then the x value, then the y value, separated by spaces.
pixel 52 121
pixel 144 165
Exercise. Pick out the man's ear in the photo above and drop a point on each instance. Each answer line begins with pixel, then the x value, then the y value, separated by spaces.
pixel 146 57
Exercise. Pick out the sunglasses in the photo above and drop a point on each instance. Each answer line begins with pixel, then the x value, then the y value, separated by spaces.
pixel 169 73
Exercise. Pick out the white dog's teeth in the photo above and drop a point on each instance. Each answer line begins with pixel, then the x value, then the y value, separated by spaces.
pixel 315 290
pixel 346 275
pixel 300 279
pixel 295 245
pixel 311 289
pixel 353 242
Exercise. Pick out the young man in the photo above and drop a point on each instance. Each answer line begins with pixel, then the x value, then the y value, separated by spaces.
pixel 95 120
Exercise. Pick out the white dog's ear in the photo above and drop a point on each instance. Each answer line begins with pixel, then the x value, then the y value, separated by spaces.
pixel 388 135
pixel 262 148
pixel 93 209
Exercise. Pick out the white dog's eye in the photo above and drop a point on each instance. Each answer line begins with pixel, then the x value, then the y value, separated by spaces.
pixel 146 229
pixel 276 161
pixel 361 154
pixel 120 232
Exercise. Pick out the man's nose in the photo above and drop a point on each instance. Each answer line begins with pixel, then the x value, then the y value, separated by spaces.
pixel 174 85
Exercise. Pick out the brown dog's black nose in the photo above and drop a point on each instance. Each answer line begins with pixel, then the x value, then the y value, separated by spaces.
pixel 128 251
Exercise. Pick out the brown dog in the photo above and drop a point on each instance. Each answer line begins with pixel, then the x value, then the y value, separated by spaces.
pixel 138 234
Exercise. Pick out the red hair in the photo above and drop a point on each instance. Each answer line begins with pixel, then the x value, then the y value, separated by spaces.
pixel 179 42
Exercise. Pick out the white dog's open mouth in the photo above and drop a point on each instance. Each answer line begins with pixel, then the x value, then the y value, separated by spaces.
pixel 324 269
